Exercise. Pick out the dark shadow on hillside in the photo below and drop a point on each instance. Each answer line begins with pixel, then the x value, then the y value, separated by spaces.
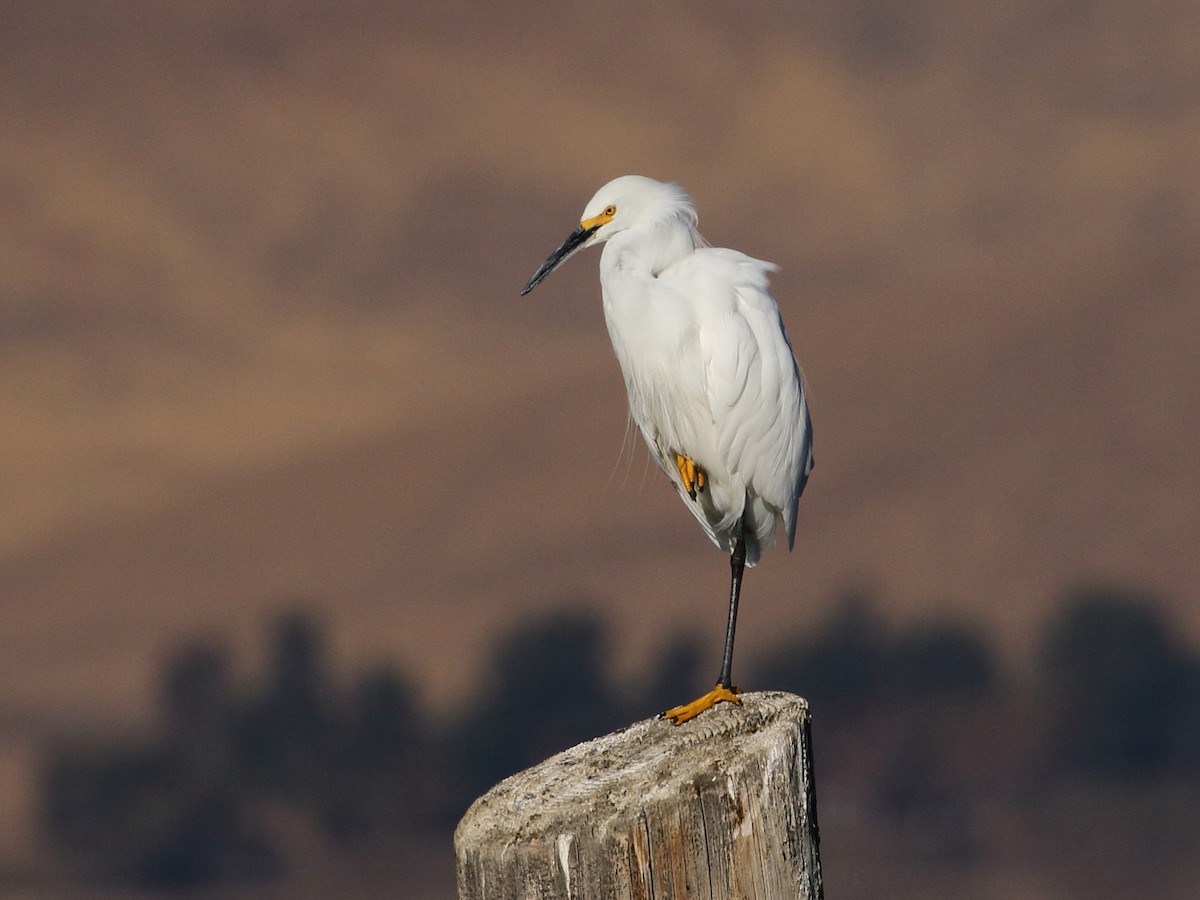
pixel 1122 691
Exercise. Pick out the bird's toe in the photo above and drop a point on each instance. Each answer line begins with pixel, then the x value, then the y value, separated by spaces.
pixel 720 694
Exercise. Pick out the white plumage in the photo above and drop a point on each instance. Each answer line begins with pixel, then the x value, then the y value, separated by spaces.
pixel 708 367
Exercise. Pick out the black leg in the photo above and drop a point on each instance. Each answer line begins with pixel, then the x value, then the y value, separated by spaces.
pixel 737 565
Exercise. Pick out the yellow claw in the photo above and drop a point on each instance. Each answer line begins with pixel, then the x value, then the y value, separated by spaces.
pixel 690 474
pixel 719 694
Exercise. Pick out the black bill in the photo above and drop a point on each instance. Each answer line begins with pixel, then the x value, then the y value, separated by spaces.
pixel 575 240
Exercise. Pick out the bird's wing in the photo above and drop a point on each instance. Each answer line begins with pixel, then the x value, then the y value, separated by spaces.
pixel 755 393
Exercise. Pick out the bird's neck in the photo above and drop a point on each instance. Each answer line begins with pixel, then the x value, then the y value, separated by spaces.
pixel 652 248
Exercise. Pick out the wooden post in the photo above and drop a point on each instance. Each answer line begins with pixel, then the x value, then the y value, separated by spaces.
pixel 721 807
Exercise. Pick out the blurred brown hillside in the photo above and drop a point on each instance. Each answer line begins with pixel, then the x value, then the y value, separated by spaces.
pixel 261 336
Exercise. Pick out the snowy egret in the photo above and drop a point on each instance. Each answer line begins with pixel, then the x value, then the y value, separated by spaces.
pixel 713 385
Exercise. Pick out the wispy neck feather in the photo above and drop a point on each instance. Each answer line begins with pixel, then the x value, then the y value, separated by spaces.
pixel 657 244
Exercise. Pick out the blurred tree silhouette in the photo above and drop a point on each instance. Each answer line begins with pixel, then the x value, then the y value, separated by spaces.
pixel 887 702
pixel 386 770
pixel 839 667
pixel 169 812
pixel 1124 695
pixel 856 661
pixel 287 731
pixel 200 707
pixel 1117 696
pixel 546 691
pixel 675 677
pixel 942 660
pixel 182 808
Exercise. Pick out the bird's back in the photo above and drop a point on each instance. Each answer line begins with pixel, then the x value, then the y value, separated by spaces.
pixel 711 376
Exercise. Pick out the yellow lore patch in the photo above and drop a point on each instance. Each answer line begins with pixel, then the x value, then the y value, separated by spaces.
pixel 596 221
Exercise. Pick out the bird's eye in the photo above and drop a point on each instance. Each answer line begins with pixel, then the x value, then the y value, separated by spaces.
pixel 610 211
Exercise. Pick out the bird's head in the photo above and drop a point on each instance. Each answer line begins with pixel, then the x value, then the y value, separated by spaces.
pixel 623 203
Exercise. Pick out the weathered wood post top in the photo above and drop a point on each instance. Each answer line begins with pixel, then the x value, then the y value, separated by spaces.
pixel 721 807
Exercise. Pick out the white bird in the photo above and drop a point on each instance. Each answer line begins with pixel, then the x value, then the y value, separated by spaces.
pixel 712 382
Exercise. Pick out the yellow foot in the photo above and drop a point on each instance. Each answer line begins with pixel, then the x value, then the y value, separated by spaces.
pixel 689 472
pixel 719 694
